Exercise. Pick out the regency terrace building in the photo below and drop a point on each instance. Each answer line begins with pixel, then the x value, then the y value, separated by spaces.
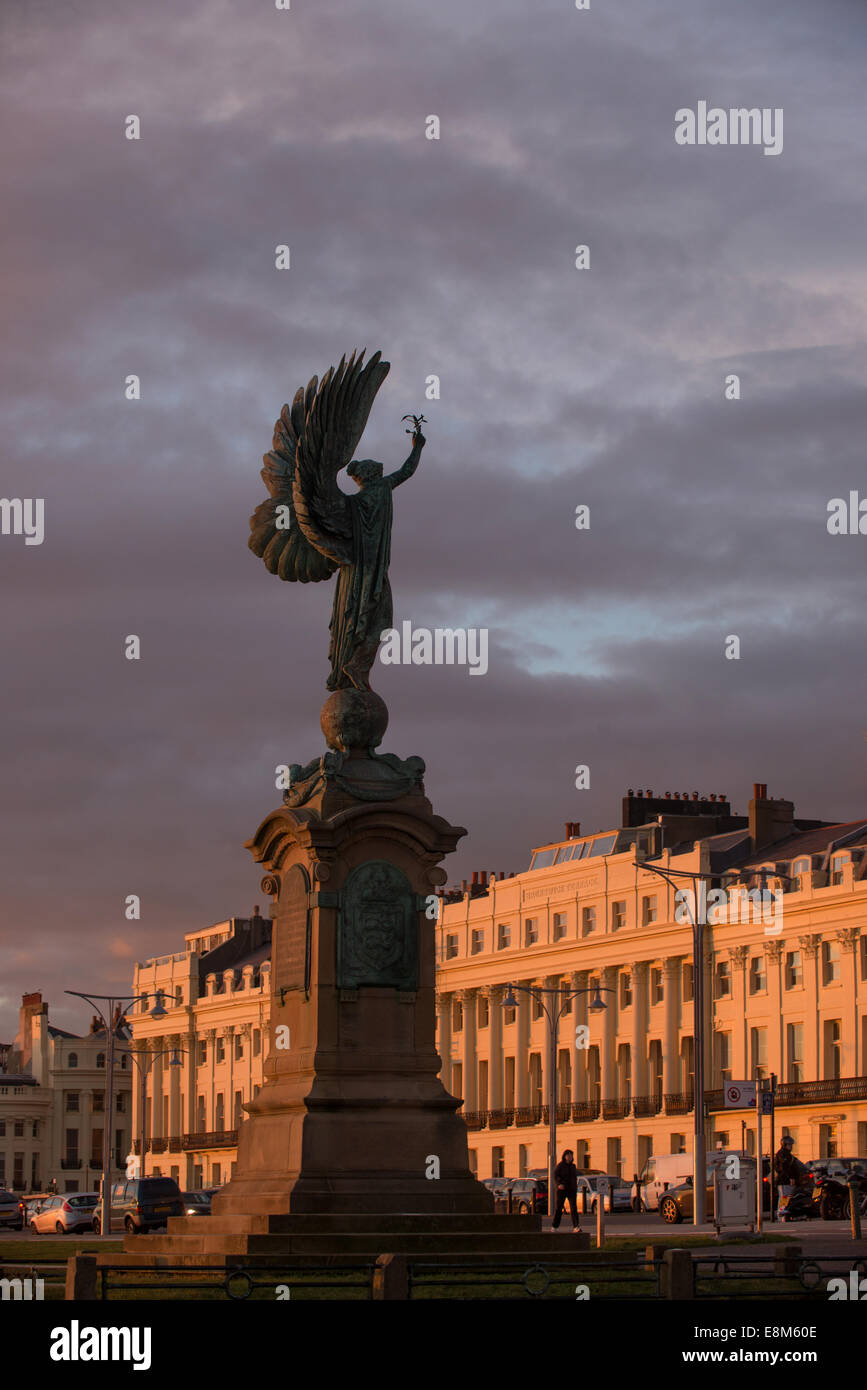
pixel 785 986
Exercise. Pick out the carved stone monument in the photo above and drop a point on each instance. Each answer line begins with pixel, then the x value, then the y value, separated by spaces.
pixel 353 1144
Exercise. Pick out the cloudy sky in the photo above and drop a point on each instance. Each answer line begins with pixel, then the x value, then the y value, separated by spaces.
pixel 559 387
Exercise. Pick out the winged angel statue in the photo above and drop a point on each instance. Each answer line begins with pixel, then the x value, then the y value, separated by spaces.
pixel 308 527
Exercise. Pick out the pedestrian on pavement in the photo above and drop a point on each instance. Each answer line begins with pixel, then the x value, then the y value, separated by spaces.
pixel 566 1180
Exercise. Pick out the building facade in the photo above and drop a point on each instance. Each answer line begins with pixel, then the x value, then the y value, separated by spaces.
pixel 203 1060
pixel 784 961
pixel 52 1105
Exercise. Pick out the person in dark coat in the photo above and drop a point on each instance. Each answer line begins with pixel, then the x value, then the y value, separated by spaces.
pixel 566 1182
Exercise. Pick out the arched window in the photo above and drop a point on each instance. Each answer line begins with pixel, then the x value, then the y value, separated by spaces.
pixel 73 1059
pixel 100 1059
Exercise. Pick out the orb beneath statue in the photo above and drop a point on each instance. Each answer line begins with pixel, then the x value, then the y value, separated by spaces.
pixel 354 719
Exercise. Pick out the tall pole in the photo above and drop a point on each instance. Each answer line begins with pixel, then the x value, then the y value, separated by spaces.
pixel 105 1216
pixel 699 1155
pixel 759 1102
pixel 553 1020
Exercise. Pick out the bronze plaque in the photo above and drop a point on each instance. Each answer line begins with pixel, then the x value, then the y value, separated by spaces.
pixel 292 946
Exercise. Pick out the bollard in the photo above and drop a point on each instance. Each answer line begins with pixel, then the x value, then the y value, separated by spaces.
pixel 600 1223
pixel 855 1209
pixel 391 1277
pixel 81 1277
pixel 677 1275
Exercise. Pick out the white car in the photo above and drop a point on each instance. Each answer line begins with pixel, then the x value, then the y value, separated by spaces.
pixel 71 1212
pixel 615 1192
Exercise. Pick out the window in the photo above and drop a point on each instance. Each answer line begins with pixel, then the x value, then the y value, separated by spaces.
pixel 98 1103
pixel 71 1146
pixel 203 1053
pixel 504 936
pixel 801 871
pixel 535 1070
pixel 531 931
pixel 239 1047
pixel 838 865
pixel 237 1112
pixel 827 1141
pixel 96 1148
pixel 484 1011
pixel 677 1143
pixel 477 941
pixel 657 988
pixel 687 982
pixel 759 1052
pixel 451 946
pixel 457 1015
pixel 73 1061
pixel 794 970
pixel 35 1130
pixel 625 989
pixel 722 982
pixel 220 1113
pixel 723 1057
pixel 18 1132
pixel 758 977
pixel 120 1103
pixel 655 1067
pixel 257 1042
pixel 588 920
pixel 200 1114
pixel 2 1130
pixel 221 1050
pixel 830 962
pixel 604 845
pixel 179 994
pixel 124 1061
pixel 498 1161
pixel 832 1049
pixel 559 925
pixel 794 1052
pixel 538 1010
pixel 100 1059
pixel 72 1101
pixel 509 1083
pixel 864 957
pixel 618 914
pixel 649 909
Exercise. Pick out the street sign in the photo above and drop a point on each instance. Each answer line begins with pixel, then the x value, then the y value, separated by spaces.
pixel 740 1095
pixel 767 1102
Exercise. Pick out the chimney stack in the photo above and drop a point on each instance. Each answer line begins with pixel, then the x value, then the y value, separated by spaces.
pixel 769 820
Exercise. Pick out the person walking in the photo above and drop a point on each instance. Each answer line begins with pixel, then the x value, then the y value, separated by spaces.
pixel 566 1180
pixel 788 1170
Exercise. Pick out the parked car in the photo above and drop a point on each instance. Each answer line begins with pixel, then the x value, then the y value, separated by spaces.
pixel 606 1185
pixel 72 1211
pixel 197 1203
pixel 142 1204
pixel 29 1205
pixel 529 1196
pixel 9 1212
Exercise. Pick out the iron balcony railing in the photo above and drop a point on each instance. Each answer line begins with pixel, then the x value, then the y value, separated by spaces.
pixel 217 1139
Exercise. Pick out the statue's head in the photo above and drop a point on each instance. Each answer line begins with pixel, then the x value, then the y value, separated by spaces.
pixel 363 471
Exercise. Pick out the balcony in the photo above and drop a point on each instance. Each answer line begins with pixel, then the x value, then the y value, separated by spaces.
pixel 615 1108
pixel 584 1110
pixel 841 1088
pixel 528 1115
pixel 679 1103
pixel 475 1119
pixel 217 1139
pixel 647 1105
pixel 563 1110
pixel 70 1163
pixel 501 1119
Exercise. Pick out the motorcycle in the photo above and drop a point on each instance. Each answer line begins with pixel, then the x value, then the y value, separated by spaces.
pixel 798 1204
pixel 833 1199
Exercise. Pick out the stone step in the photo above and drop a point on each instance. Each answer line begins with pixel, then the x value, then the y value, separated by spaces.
pixel 320 1223
pixel 510 1245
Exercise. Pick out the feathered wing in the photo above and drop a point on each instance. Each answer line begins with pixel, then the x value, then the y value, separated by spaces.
pixel 333 426
pixel 312 442
pixel 284 547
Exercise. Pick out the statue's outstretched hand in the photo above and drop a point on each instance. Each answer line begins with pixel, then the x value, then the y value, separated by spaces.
pixel 418 440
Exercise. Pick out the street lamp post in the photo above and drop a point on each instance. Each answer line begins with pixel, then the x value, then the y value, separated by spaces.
pixel 553 1015
pixel 111 1002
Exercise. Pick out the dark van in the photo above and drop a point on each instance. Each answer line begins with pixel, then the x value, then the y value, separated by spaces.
pixel 142 1204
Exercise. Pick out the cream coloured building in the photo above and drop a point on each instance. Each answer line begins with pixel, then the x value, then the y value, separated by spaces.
pixel 196 1067
pixel 784 994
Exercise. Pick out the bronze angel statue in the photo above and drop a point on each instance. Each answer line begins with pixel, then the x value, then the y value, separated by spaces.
pixel 308 527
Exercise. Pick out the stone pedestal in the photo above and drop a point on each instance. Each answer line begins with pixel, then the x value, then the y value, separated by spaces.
pixel 352 1116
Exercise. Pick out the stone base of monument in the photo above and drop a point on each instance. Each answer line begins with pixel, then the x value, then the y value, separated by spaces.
pixel 353 1148
pixel 328 1239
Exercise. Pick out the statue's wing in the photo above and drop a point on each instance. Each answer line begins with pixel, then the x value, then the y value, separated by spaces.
pixel 284 547
pixel 334 422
